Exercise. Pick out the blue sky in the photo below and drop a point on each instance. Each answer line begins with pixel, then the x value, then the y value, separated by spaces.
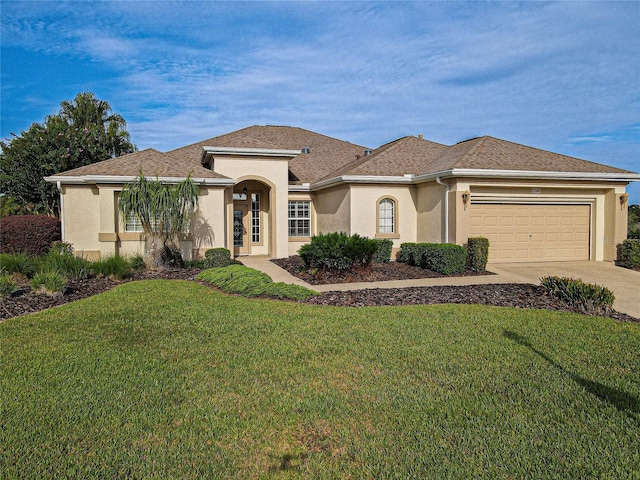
pixel 562 76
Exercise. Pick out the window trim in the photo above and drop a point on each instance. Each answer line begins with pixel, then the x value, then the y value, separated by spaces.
pixel 299 238
pixel 395 226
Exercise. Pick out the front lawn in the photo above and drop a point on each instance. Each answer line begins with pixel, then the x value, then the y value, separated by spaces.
pixel 170 379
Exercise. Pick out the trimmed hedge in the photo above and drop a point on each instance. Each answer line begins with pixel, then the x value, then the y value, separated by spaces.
pixel 338 251
pixel 30 234
pixel 383 254
pixel 477 253
pixel 444 258
pixel 217 257
pixel 630 253
pixel 588 298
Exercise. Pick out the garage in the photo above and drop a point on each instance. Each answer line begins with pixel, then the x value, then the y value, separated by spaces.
pixel 532 233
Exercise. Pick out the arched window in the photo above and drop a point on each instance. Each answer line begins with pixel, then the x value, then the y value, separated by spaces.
pixel 387 216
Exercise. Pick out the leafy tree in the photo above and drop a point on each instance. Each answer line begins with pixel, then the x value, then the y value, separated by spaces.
pixel 84 132
pixel 164 212
pixel 633 223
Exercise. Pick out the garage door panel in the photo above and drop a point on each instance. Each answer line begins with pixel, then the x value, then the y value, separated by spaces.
pixel 521 233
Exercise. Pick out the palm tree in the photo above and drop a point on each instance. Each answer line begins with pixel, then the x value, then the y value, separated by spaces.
pixel 164 212
pixel 86 112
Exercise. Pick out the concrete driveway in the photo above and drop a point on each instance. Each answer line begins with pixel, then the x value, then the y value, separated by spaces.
pixel 624 283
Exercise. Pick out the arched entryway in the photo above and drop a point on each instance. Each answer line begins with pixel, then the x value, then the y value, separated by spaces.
pixel 251 219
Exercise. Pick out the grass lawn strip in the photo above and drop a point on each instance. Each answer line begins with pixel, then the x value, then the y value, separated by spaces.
pixel 170 379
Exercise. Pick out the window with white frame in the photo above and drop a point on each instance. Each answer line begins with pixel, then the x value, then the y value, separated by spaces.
pixel 255 218
pixel 133 224
pixel 299 218
pixel 387 216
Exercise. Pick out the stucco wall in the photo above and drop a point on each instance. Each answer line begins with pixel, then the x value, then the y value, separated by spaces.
pixel 364 211
pixel 82 219
pixel 333 210
pixel 430 213
pixel 273 172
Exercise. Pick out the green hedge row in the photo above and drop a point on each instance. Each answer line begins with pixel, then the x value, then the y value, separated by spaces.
pixel 630 253
pixel 444 258
pixel 338 251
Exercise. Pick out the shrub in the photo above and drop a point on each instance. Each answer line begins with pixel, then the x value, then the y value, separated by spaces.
pixel 217 257
pixel 137 262
pixel 68 265
pixel 30 234
pixel 251 283
pixel 7 285
pixel 63 248
pixel 383 253
pixel 477 253
pixel 51 283
pixel 114 266
pixel 338 251
pixel 17 263
pixel 444 258
pixel 630 253
pixel 587 298
pixel 407 253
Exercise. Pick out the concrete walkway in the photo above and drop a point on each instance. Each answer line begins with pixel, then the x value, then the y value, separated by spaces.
pixel 624 283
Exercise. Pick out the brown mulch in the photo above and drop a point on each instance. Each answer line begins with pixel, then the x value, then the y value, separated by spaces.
pixel 26 301
pixel 377 272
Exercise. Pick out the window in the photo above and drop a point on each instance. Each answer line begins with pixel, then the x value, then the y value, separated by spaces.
pixel 299 218
pixel 255 218
pixel 133 224
pixel 387 216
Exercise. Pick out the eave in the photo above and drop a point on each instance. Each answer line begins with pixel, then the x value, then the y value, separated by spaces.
pixel 122 179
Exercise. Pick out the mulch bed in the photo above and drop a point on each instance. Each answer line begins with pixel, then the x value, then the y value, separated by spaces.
pixel 26 301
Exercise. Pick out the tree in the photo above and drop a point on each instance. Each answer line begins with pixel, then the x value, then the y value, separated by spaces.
pixel 633 223
pixel 164 212
pixel 84 132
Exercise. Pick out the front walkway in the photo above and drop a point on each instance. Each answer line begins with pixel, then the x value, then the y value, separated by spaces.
pixel 624 283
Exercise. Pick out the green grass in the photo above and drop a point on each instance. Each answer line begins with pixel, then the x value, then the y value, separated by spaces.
pixel 170 379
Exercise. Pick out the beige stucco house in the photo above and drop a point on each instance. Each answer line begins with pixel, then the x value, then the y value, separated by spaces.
pixel 265 190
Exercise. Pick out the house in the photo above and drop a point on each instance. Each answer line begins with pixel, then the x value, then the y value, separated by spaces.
pixel 265 190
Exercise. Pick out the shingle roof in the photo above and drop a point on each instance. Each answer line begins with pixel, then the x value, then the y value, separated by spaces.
pixel 407 155
pixel 325 153
pixel 150 161
pixel 331 158
pixel 490 153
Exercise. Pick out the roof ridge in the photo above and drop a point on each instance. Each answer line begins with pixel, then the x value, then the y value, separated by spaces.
pixel 480 141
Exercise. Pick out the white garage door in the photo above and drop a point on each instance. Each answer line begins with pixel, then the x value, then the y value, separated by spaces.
pixel 531 233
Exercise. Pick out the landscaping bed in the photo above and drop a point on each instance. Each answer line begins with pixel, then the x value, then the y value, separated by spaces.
pixel 377 272
pixel 25 301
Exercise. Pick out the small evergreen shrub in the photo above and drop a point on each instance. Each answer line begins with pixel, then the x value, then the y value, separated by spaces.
pixel 477 253
pixel 50 283
pixel 407 253
pixel 113 266
pixel 30 234
pixel 383 253
pixel 217 257
pixel 587 298
pixel 338 251
pixel 630 253
pixel 7 285
pixel 17 263
pixel 444 258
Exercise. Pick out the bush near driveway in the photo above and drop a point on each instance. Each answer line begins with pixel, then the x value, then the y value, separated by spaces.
pixel 444 258
pixel 630 253
pixel 588 298
pixel 338 251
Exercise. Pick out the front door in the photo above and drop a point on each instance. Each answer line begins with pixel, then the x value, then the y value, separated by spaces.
pixel 240 230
